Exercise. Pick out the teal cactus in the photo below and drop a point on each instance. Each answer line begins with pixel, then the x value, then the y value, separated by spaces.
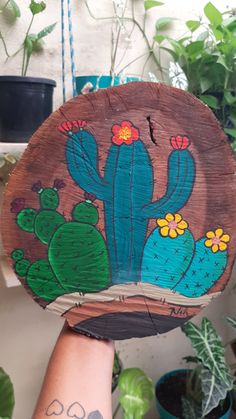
pixel 77 254
pixel 127 188
pixel 167 252
pixel 207 265
pixel 171 258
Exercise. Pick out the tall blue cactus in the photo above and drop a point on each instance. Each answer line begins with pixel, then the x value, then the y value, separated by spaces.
pixel 127 188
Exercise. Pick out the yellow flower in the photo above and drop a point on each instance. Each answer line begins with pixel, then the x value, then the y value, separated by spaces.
pixel 172 225
pixel 217 240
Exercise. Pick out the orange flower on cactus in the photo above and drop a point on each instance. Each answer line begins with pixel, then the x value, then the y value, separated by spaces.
pixel 217 240
pixel 125 133
pixel 172 225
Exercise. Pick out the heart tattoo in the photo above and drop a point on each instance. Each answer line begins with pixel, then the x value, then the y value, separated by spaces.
pixel 76 411
pixel 55 408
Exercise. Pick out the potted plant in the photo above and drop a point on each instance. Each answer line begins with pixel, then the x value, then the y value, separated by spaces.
pixel 25 102
pixel 203 391
pixel 204 62
pixel 125 26
pixel 7 400
pixel 135 393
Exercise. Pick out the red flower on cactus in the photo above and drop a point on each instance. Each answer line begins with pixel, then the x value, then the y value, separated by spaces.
pixel 67 127
pixel 125 133
pixel 179 142
pixel 17 205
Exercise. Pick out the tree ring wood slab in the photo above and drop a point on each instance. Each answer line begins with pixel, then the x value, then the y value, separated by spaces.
pixel 120 216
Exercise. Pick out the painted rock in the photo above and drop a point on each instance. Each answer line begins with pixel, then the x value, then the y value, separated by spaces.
pixel 120 216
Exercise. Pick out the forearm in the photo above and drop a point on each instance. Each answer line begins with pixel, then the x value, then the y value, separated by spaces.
pixel 78 379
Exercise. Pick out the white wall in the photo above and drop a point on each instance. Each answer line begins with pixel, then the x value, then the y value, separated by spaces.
pixel 27 333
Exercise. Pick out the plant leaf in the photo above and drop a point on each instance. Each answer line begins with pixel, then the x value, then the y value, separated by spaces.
pixel 194 48
pixel 44 32
pixel 213 14
pixel 230 99
pixel 210 101
pixel 190 409
pixel 163 22
pixel 14 8
pixel 214 390
pixel 193 25
pixel 206 83
pixel 159 38
pixel 37 7
pixel 208 347
pixel 136 392
pixel 231 320
pixel 149 4
pixel 171 52
pixel 7 400
pixel 231 132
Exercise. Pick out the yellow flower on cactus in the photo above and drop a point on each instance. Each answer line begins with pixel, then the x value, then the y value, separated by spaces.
pixel 217 240
pixel 172 225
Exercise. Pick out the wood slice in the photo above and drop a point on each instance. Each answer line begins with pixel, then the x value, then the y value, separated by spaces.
pixel 120 216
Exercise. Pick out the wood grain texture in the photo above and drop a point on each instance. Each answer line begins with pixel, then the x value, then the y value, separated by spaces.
pixel 159 113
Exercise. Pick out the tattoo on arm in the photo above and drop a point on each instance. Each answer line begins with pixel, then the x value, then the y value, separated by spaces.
pixel 74 411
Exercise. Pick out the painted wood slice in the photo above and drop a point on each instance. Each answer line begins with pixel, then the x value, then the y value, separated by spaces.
pixel 121 214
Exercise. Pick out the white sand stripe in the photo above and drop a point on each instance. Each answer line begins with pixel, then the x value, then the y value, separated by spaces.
pixel 123 291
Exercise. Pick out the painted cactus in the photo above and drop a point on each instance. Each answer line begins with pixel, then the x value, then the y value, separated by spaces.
pixel 127 188
pixel 167 252
pixel 39 276
pixel 207 265
pixel 77 254
pixel 171 258
pixel 43 222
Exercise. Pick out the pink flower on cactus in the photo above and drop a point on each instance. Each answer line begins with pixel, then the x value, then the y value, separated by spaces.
pixel 125 133
pixel 89 197
pixel 179 143
pixel 37 187
pixel 67 127
pixel 58 184
pixel 17 205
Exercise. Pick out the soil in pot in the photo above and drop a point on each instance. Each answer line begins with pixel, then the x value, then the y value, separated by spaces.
pixel 170 392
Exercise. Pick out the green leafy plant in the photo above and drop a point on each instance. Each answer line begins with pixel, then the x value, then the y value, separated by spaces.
pixel 212 378
pixel 136 393
pixel 32 42
pixel 205 56
pixel 6 396
pixel 124 23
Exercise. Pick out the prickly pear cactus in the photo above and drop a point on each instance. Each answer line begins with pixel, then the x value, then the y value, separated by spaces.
pixel 77 254
pixel 207 265
pixel 38 275
pixel 167 252
pixel 44 222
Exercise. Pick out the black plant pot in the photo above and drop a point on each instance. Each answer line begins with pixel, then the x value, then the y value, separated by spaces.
pixel 25 102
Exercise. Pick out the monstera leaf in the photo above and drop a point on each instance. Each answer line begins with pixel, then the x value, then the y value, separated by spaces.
pixel 209 349
pixel 6 396
pixel 136 393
